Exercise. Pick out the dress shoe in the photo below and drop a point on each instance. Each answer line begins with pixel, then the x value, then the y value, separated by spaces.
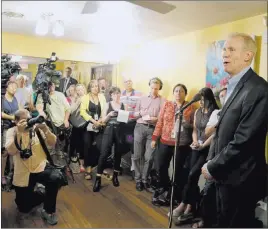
pixel 97 184
pixel 148 188
pixel 115 179
pixel 139 186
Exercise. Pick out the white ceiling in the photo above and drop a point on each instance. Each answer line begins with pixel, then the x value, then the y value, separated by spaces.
pixel 121 21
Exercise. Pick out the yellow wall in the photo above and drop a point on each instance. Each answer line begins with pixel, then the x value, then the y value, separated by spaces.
pixel 183 58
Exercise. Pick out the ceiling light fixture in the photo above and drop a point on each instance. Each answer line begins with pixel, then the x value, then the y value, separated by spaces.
pixel 42 25
pixel 58 29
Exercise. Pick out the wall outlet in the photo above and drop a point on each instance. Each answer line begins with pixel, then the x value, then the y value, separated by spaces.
pixel 263 205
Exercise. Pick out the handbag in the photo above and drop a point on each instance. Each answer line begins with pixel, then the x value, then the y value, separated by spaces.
pixel 76 119
pixel 58 172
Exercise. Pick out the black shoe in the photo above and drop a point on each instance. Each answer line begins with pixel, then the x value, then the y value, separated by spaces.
pixel 139 186
pixel 115 179
pixel 97 184
pixel 133 175
pixel 148 188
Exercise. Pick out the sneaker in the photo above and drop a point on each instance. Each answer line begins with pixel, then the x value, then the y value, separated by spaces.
pixel 49 218
pixel 176 213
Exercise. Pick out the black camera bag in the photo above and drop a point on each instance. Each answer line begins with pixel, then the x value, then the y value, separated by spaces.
pixel 58 172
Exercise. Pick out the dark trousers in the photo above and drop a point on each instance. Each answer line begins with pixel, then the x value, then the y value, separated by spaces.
pixel 163 157
pixel 236 206
pixel 26 198
pixel 208 204
pixel 110 137
pixel 76 143
pixel 191 191
pixel 89 150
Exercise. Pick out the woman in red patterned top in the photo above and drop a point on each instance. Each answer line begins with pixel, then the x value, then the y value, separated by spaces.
pixel 165 132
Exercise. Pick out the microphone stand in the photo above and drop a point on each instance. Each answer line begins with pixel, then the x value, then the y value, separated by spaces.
pixel 177 144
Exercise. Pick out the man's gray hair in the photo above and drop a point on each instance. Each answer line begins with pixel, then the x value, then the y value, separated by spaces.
pixel 249 43
pixel 19 113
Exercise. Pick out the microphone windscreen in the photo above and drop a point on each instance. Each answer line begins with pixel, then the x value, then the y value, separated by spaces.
pixel 197 97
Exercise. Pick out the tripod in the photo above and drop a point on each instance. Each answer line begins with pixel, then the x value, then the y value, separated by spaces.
pixel 177 143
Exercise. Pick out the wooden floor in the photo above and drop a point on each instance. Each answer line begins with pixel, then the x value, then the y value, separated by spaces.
pixel 78 206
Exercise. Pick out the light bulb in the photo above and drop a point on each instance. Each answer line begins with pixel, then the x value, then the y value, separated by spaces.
pixel 42 26
pixel 58 29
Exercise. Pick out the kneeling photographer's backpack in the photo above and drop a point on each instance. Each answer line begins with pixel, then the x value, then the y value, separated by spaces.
pixel 58 172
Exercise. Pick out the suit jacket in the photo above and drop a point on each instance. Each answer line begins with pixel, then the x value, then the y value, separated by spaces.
pixel 239 142
pixel 62 81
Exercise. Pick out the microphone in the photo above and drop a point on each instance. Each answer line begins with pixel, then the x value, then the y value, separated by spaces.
pixel 195 99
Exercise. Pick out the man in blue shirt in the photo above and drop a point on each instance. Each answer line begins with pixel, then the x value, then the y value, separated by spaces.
pixel 9 107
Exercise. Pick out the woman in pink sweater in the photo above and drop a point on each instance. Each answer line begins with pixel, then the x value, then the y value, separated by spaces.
pixel 165 132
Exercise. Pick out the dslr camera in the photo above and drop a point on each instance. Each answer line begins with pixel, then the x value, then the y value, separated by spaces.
pixel 32 121
pixel 27 153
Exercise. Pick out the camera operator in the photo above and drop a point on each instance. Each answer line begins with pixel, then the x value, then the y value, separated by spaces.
pixel 30 167
pixel 59 112
pixel 9 107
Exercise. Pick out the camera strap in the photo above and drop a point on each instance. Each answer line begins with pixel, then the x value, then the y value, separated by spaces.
pixel 43 144
pixel 19 146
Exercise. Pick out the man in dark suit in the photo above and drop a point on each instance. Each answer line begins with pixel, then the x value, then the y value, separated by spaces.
pixel 238 166
pixel 66 82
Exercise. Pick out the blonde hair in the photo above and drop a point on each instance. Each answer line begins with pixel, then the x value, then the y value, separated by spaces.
pixel 91 84
pixel 249 43
pixel 22 76
pixel 81 85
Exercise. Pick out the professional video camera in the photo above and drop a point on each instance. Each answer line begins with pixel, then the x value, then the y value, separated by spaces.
pixel 8 68
pixel 46 75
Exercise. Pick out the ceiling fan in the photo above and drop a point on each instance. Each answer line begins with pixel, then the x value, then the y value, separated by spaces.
pixel 157 6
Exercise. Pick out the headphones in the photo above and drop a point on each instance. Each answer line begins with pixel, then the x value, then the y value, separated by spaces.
pixel 158 80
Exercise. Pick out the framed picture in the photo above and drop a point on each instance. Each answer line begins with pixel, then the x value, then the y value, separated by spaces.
pixel 103 72
pixel 216 77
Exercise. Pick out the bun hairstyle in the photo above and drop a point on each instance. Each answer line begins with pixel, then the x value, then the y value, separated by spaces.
pixel 157 81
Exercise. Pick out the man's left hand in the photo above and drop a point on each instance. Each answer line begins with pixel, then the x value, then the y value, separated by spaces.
pixel 66 124
pixel 206 173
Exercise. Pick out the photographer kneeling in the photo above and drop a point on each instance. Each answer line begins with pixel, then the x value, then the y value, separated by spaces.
pixel 30 166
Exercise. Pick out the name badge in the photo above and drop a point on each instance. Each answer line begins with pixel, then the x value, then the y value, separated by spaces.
pixel 173 134
pixel 96 117
pixel 175 129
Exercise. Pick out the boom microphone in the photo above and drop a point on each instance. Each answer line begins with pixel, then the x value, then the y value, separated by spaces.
pixel 195 99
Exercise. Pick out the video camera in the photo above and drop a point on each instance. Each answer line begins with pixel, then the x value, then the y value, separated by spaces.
pixel 8 68
pixel 45 77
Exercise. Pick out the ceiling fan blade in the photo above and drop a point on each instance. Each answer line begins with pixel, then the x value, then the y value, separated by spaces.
pixel 157 6
pixel 90 7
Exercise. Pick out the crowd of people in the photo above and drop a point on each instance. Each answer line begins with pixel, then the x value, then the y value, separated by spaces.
pixel 223 139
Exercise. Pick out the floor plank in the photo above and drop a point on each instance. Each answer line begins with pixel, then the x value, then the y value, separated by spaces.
pixel 79 206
